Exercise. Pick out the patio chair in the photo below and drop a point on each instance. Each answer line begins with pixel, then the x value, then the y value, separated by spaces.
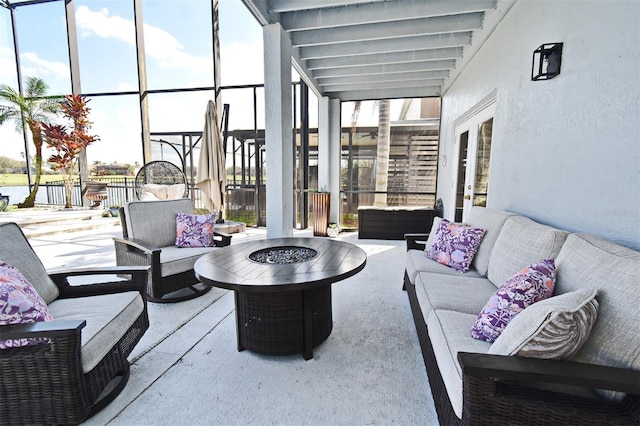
pixel 69 368
pixel 160 180
pixel 149 238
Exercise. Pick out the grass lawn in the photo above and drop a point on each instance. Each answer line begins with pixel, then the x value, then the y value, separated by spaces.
pixel 21 179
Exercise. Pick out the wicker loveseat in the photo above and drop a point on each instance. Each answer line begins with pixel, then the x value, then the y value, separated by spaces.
pixel 149 236
pixel 471 384
pixel 78 363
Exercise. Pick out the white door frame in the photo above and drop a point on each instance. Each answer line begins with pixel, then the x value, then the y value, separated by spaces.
pixel 468 122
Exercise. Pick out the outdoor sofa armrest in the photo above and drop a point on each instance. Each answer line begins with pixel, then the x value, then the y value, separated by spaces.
pixel 49 329
pixel 137 282
pixel 537 370
pixel 138 245
pixel 416 241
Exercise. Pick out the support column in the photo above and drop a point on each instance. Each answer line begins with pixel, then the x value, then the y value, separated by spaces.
pixel 329 129
pixel 76 88
pixel 278 125
pixel 142 82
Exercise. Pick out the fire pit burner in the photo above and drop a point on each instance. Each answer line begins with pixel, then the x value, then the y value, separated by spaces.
pixel 283 255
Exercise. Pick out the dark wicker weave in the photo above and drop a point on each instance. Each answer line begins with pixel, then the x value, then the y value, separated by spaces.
pixel 45 383
pixel 272 323
pixel 498 390
pixel 171 288
pixel 160 173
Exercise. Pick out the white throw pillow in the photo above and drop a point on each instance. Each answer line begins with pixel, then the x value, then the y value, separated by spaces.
pixel 554 328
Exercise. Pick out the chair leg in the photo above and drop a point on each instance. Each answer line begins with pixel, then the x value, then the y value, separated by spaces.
pixel 112 390
pixel 187 293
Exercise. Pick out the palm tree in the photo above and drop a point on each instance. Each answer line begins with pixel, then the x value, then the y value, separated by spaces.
pixel 29 110
pixel 382 149
pixel 382 152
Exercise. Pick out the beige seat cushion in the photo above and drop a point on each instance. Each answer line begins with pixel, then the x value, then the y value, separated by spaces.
pixel 175 260
pixel 455 293
pixel 108 318
pixel 417 261
pixel 450 333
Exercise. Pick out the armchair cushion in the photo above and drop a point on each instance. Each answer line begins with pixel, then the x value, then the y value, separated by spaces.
pixel 154 222
pixel 175 260
pixel 18 253
pixel 19 304
pixel 107 317
pixel 554 328
pixel 194 230
pixel 155 192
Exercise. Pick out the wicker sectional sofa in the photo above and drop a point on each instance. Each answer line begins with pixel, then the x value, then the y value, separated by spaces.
pixel 473 385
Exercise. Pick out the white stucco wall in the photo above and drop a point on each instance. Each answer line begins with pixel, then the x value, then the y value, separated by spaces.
pixel 566 152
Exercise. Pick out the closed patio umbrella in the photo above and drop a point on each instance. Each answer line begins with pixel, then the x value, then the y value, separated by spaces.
pixel 211 177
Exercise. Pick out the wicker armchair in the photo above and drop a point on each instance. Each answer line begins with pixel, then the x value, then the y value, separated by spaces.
pixel 149 234
pixel 160 180
pixel 82 365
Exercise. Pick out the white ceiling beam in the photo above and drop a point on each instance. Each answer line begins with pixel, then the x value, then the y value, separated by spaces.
pixel 258 9
pixel 384 85
pixel 384 30
pixel 386 46
pixel 380 78
pixel 305 74
pixel 377 12
pixel 380 93
pixel 386 58
pixel 383 69
pixel 280 6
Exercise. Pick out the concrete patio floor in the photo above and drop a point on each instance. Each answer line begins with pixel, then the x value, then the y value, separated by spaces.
pixel 181 333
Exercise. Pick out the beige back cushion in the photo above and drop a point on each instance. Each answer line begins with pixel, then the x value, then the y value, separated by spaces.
pixel 154 222
pixel 16 251
pixel 521 243
pixel 492 222
pixel 585 261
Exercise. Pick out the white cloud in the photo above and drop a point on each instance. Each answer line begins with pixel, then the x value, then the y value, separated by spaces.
pixel 7 65
pixel 103 25
pixel 242 63
pixel 127 87
pixel 159 44
pixel 35 66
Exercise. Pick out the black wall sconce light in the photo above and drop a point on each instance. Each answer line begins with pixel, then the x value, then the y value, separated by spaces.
pixel 546 61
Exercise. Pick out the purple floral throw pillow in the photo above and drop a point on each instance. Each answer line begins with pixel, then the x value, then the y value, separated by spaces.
pixel 455 245
pixel 533 284
pixel 19 303
pixel 194 230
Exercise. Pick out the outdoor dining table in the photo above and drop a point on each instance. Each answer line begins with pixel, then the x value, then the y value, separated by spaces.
pixel 282 289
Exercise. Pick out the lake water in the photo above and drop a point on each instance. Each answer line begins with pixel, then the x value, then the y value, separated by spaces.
pixel 17 194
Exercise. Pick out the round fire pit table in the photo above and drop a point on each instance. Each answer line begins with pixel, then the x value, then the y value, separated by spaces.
pixel 282 289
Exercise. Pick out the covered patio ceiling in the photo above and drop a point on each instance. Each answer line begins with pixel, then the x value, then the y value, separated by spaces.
pixel 380 49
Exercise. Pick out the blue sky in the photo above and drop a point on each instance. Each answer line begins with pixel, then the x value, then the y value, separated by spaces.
pixel 178 48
